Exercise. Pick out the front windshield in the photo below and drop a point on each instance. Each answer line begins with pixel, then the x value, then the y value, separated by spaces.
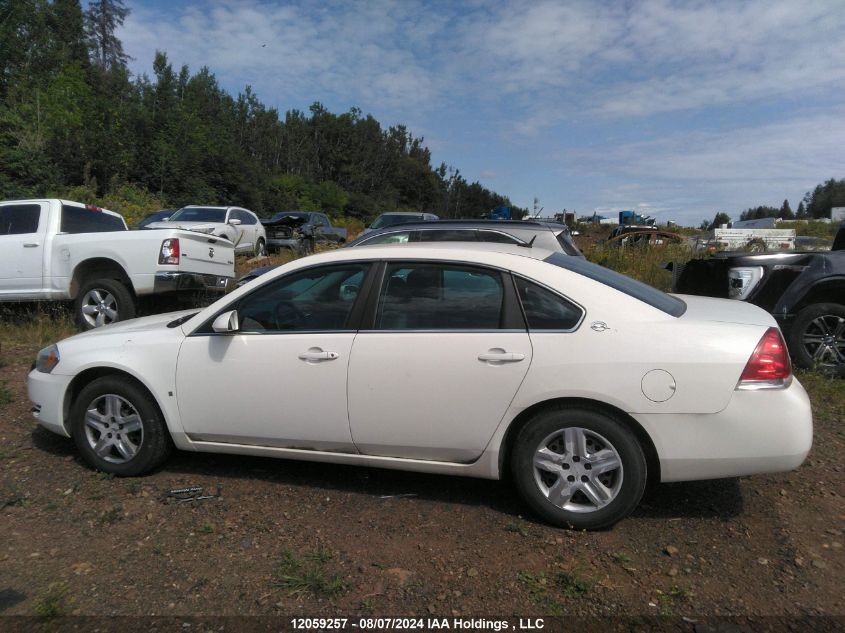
pixel 390 219
pixel 289 214
pixel 199 214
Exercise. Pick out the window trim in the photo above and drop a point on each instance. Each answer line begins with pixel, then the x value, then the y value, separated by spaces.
pixel 513 316
pixel 583 310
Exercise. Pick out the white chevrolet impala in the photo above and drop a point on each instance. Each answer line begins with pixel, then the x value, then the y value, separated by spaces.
pixel 579 383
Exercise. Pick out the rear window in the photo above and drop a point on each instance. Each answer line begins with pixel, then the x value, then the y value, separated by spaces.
pixel 631 287
pixel 82 220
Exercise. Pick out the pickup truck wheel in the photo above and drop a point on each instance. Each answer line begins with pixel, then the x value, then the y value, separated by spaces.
pixel 103 301
pixel 260 248
pixel 306 246
pixel 579 468
pixel 817 338
pixel 118 428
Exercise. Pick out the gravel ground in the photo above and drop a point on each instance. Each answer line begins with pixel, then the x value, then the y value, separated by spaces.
pixel 294 538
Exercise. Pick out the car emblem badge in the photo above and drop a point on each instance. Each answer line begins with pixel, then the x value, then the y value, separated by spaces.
pixel 211 252
pixel 599 326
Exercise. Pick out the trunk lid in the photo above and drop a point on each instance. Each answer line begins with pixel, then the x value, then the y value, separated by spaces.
pixel 725 311
pixel 205 254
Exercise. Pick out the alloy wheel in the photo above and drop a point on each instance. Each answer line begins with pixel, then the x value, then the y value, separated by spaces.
pixel 99 307
pixel 578 470
pixel 824 340
pixel 113 428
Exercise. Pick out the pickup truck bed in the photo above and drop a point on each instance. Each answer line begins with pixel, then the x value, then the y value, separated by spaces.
pixel 59 250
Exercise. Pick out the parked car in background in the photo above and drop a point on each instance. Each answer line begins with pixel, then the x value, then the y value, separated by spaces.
pixel 157 216
pixel 552 236
pixel 60 250
pixel 301 230
pixel 511 345
pixel 240 226
pixel 805 291
pixel 399 217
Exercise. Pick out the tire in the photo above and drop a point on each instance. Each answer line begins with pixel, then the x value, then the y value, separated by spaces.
pixel 306 246
pixel 587 500
pixel 103 301
pixel 260 248
pixel 817 338
pixel 109 406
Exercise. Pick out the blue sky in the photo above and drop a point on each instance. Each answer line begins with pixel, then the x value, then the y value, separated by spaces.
pixel 678 109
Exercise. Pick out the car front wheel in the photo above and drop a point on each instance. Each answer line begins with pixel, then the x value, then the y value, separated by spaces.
pixel 260 248
pixel 579 468
pixel 817 338
pixel 118 428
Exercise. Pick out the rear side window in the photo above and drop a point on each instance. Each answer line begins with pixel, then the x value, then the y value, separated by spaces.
pixel 498 238
pixel 398 237
pixel 19 219
pixel 440 297
pixel 631 287
pixel 81 220
pixel 545 310
pixel 446 235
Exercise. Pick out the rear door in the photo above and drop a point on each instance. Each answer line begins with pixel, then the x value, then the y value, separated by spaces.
pixel 22 235
pixel 446 353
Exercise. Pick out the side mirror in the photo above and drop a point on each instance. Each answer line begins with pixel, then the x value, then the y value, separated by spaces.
pixel 234 221
pixel 226 323
pixel 165 219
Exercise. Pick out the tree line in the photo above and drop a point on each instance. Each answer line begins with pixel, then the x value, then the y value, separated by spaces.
pixel 73 118
pixel 815 205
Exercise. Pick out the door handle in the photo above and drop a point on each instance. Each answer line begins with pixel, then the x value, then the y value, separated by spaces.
pixel 501 357
pixel 315 355
pixel 30 245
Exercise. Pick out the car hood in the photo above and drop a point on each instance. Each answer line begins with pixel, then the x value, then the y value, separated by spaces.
pixel 285 221
pixel 725 311
pixel 143 324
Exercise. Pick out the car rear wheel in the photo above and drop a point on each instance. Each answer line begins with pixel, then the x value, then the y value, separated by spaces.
pixel 817 338
pixel 101 302
pixel 118 428
pixel 579 468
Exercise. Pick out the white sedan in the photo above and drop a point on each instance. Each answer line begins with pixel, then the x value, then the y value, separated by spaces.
pixel 580 383
pixel 239 226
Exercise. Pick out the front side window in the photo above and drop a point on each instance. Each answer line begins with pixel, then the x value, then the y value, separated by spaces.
pixel 81 220
pixel 19 219
pixel 545 310
pixel 316 299
pixel 248 218
pixel 423 296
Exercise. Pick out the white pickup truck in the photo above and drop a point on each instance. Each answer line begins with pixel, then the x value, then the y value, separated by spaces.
pixel 59 250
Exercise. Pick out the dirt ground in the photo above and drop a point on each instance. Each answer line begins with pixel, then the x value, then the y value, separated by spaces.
pixel 297 538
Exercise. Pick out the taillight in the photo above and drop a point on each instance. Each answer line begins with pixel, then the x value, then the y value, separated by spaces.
pixel 169 252
pixel 769 366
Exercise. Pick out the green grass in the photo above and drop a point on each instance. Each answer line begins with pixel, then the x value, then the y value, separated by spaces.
pixel 6 396
pixel 35 328
pixel 53 602
pixel 548 593
pixel 308 574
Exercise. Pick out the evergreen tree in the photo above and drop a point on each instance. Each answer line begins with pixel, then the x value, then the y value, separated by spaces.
pixel 801 213
pixel 786 211
pixel 101 21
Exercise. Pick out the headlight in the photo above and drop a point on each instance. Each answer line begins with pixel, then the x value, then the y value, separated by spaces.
pixel 47 359
pixel 741 281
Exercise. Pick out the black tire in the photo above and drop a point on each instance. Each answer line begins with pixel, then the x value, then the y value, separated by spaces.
pixel 306 246
pixel 116 297
pixel 624 484
pixel 153 443
pixel 260 247
pixel 819 324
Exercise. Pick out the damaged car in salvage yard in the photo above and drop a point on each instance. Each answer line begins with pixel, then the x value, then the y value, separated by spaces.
pixel 579 384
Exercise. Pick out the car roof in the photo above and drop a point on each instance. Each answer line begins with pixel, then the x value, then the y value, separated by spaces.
pixel 405 213
pixel 473 224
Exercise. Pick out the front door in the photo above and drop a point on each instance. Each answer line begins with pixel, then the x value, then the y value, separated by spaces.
pixel 22 232
pixel 281 379
pixel 435 376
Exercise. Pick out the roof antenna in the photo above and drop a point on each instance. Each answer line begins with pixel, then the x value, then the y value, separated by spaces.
pixel 528 244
